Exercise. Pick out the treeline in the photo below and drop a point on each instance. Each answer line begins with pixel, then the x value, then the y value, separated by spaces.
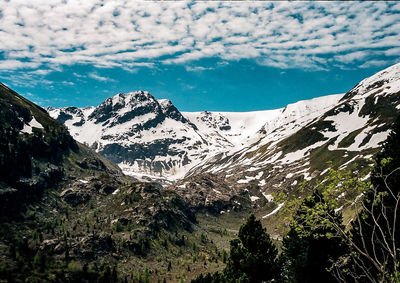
pixel 318 247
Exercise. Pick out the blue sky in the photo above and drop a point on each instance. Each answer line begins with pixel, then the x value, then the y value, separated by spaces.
pixel 227 56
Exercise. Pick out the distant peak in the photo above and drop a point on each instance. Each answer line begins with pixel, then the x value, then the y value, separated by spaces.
pixel 139 95
pixel 169 110
pixel 387 75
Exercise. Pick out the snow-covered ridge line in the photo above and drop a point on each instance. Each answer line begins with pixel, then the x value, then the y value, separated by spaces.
pixel 246 128
pixel 138 125
pixel 389 78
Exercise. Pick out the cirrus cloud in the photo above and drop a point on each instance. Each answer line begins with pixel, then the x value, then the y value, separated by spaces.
pixel 130 34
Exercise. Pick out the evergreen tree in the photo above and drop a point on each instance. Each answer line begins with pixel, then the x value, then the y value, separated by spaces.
pixel 209 278
pixel 146 276
pixel 252 256
pixel 312 243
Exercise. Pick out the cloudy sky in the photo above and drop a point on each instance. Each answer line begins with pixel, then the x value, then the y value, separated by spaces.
pixel 230 56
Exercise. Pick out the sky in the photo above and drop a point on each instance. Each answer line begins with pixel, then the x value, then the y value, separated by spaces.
pixel 216 56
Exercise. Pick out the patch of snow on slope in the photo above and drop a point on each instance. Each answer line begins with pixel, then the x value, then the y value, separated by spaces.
pixel 289 175
pixel 259 175
pixel 216 191
pixel 274 211
pixel 300 154
pixel 254 198
pixel 147 177
pixel 273 159
pixel 323 172
pixel 268 196
pixel 250 178
pixel 344 165
pixel 251 169
pixel 32 124
pixel 366 177
pixel 307 176
pixel 378 138
pixel 346 123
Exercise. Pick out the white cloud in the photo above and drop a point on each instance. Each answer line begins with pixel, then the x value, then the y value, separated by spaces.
pixel 352 57
pixel 132 34
pixel 197 68
pixel 100 78
pixel 373 63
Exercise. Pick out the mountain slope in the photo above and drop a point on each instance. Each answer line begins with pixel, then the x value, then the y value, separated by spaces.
pixel 32 147
pixel 68 214
pixel 292 150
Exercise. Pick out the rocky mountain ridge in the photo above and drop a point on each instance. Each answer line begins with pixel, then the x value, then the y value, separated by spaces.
pixel 141 134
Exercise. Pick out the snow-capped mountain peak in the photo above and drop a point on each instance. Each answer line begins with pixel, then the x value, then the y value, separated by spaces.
pixel 122 108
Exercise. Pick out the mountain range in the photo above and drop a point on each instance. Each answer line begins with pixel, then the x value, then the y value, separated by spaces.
pixel 150 137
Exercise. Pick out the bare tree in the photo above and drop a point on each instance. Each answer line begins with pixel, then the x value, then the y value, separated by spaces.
pixel 373 239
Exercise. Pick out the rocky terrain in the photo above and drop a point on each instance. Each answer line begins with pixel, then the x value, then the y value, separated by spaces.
pixel 68 214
